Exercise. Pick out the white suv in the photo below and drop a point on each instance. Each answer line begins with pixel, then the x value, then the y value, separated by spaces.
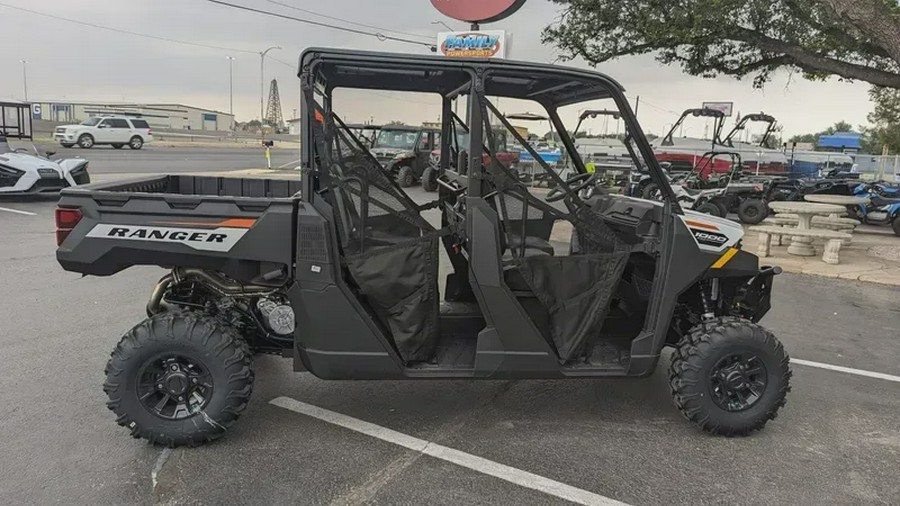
pixel 117 131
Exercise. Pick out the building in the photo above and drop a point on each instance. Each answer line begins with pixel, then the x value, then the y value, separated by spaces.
pixel 293 126
pixel 161 116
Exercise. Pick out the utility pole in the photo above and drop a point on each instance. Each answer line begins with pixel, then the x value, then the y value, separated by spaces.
pixel 25 77
pixel 230 84
pixel 262 84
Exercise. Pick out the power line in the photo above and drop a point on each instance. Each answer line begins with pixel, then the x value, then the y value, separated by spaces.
pixel 380 36
pixel 126 32
pixel 347 21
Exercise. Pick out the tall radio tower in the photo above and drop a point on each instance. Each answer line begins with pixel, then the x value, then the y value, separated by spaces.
pixel 273 110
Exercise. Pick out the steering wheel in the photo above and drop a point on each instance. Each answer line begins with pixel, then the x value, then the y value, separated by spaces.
pixel 583 180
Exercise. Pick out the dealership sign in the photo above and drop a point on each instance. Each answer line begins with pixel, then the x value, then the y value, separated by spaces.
pixel 725 108
pixel 481 44
pixel 477 11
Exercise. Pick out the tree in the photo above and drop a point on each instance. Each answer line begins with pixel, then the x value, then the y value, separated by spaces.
pixel 395 123
pixel 885 119
pixel 852 39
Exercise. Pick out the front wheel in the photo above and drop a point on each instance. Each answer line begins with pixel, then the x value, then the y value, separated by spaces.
pixel 730 376
pixel 752 211
pixel 86 141
pixel 895 224
pixel 429 179
pixel 179 378
pixel 405 177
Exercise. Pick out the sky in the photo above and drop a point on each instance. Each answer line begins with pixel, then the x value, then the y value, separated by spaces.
pixel 76 62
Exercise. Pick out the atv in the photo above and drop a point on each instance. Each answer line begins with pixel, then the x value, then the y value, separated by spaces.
pixel 405 151
pixel 25 172
pixel 883 207
pixel 340 271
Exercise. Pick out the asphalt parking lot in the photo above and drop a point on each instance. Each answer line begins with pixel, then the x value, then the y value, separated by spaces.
pixel 836 442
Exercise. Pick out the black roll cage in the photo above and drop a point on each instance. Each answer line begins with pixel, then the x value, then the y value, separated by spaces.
pixel 551 86
pixel 742 124
pixel 718 122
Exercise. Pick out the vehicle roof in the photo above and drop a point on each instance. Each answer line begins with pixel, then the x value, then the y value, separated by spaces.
pixel 411 128
pixel 554 84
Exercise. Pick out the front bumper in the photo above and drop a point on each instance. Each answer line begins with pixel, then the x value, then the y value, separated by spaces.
pixel 65 137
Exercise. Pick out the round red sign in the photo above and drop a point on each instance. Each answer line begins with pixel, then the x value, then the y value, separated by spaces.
pixel 477 11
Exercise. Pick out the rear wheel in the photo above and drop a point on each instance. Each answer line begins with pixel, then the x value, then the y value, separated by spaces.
pixel 86 141
pixel 650 192
pixel 730 376
pixel 895 224
pixel 709 208
pixel 429 179
pixel 752 211
pixel 405 177
pixel 136 142
pixel 179 378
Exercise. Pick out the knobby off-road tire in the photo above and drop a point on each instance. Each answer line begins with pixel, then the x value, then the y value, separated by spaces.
pixel 649 191
pixel 203 348
pixel 405 177
pixel 429 179
pixel 701 394
pixel 710 209
pixel 752 211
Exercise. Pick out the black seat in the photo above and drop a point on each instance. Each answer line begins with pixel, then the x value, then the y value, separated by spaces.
pixel 533 245
pixel 882 201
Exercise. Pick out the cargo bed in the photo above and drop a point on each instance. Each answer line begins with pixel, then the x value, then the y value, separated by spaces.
pixel 243 227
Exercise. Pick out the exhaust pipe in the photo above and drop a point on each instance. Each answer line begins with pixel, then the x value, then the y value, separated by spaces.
pixel 216 282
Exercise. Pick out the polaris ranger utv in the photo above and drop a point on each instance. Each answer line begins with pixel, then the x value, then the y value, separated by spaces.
pixel 340 270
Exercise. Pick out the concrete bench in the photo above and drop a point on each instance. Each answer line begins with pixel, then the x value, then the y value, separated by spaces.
pixel 789 221
pixel 832 240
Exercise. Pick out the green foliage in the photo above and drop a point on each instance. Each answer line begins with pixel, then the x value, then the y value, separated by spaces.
pixel 739 38
pixel 885 120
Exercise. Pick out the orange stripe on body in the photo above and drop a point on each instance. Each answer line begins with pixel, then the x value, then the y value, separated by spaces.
pixel 700 224
pixel 230 223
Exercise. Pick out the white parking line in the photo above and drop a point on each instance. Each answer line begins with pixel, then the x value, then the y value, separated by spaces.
pixel 467 460
pixel 848 370
pixel 26 213
pixel 295 162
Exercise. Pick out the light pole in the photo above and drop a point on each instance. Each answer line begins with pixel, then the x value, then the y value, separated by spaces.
pixel 230 84
pixel 25 77
pixel 262 85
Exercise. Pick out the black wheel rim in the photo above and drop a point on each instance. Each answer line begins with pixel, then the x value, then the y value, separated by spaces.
pixel 751 211
pixel 738 381
pixel 174 387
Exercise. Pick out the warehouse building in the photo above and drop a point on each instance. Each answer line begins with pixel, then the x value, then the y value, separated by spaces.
pixel 160 116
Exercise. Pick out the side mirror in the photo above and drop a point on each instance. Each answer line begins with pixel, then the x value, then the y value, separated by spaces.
pixel 102 125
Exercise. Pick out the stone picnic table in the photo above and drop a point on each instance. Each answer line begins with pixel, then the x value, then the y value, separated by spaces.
pixel 840 200
pixel 802 246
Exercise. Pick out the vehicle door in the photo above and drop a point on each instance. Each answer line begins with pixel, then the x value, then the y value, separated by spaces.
pixel 119 130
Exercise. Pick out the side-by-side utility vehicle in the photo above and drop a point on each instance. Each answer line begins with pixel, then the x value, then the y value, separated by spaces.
pixel 342 271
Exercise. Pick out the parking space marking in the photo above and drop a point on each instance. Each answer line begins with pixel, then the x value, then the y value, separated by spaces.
pixel 26 213
pixel 467 460
pixel 848 370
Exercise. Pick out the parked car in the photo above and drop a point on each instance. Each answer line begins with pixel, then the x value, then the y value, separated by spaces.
pixel 116 131
pixel 25 171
